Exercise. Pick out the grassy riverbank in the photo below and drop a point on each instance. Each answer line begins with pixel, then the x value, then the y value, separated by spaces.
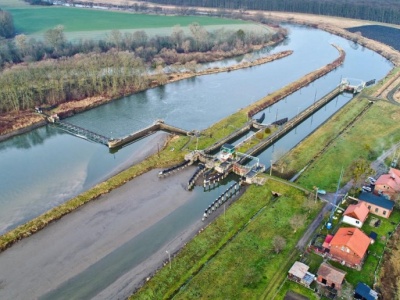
pixel 377 129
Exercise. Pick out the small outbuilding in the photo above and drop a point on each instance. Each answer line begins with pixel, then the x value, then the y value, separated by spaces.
pixel 330 276
pixel 356 214
pixel 299 273
pixel 364 292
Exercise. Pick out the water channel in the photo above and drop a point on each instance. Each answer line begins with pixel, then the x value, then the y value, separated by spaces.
pixel 46 167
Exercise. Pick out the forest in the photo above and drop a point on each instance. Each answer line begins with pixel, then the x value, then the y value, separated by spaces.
pixel 113 67
pixel 387 11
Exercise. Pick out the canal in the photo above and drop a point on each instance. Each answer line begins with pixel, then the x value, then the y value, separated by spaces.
pixel 46 167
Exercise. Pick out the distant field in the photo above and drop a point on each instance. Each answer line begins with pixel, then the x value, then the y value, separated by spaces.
pixel 387 35
pixel 36 20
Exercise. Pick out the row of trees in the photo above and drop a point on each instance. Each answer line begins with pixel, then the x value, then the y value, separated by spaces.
pixel 55 44
pixel 375 10
pixel 7 29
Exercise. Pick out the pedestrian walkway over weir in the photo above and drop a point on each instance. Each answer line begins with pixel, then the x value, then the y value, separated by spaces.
pixel 158 125
pixel 113 143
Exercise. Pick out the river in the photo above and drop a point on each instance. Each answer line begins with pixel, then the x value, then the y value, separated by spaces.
pixel 46 167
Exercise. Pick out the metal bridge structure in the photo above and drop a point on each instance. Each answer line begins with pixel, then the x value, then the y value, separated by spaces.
pixel 352 85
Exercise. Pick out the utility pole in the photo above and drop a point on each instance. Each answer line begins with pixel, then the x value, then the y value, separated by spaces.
pixel 169 258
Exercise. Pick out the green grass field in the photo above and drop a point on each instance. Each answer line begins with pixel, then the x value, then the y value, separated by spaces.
pixel 247 267
pixel 35 20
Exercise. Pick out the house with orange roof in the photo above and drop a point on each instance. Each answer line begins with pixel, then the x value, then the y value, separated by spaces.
pixel 388 184
pixel 349 246
pixel 356 214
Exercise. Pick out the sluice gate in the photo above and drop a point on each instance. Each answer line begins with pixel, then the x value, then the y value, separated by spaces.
pixel 200 170
pixel 225 196
pixel 177 167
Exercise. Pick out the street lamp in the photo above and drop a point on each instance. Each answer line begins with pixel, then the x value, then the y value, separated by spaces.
pixel 270 169
pixel 298 110
pixel 169 258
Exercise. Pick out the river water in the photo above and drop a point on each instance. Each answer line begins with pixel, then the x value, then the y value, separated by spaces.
pixel 46 167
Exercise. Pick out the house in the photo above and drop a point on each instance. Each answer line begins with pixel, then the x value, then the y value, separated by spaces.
pixel 349 246
pixel 388 184
pixel 299 273
pixel 356 214
pixel 377 205
pixel 330 276
pixel 364 292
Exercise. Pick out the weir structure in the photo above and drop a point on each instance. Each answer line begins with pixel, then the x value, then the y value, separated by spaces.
pixel 110 142
pixel 223 164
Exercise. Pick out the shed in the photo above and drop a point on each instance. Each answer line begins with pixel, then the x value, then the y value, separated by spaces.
pixel 330 276
pixel 364 292
pixel 299 273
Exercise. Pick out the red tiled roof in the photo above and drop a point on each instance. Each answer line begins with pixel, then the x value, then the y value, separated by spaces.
pixel 353 238
pixel 357 211
pixel 392 180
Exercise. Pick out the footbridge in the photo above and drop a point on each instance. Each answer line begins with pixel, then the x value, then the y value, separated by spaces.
pixel 119 142
pixel 82 132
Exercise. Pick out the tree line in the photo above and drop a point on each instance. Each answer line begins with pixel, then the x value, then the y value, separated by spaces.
pixel 112 67
pixel 55 45
pixel 387 11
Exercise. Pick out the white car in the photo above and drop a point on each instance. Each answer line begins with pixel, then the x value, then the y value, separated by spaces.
pixel 372 180
pixel 366 189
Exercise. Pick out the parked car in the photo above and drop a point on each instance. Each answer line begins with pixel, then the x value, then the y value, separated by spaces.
pixel 372 180
pixel 366 189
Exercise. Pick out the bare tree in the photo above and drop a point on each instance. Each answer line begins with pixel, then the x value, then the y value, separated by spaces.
pixel 279 243
pixel 297 221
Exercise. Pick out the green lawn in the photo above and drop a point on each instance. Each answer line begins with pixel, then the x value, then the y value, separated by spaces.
pixel 378 129
pixel 297 288
pixel 34 20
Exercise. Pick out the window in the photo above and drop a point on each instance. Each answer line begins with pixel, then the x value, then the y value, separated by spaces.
pixel 357 222
pixel 376 210
pixel 384 212
pixel 369 206
pixel 323 280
